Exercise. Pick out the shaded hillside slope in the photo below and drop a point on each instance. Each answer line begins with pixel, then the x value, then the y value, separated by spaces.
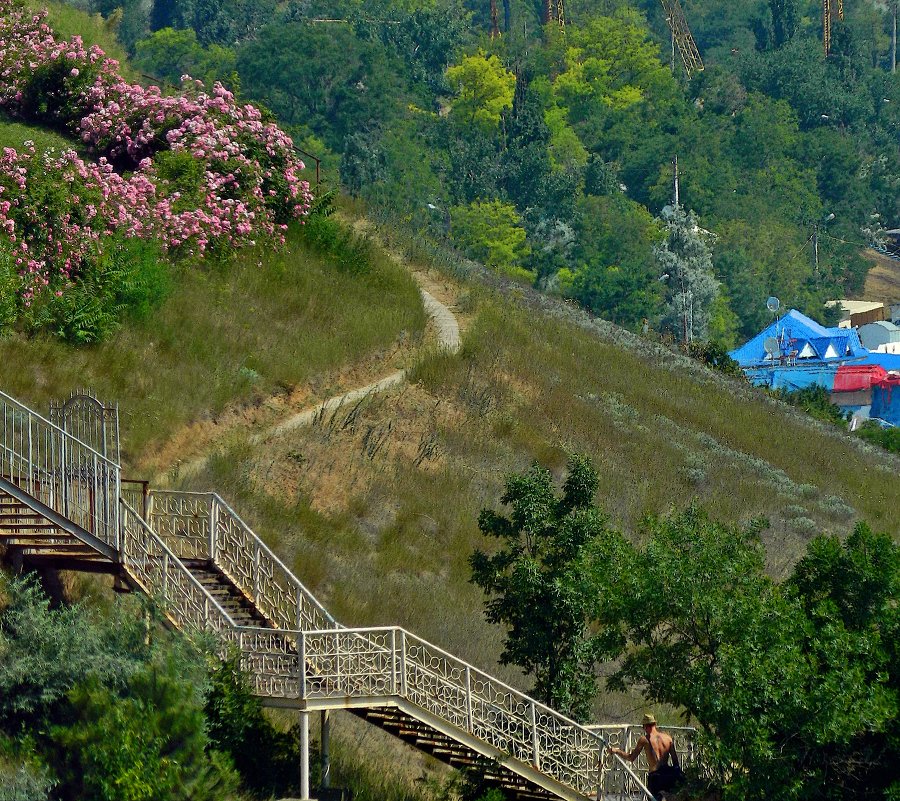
pixel 376 505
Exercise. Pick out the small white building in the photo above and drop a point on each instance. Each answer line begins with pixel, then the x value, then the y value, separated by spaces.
pixel 880 337
pixel 865 310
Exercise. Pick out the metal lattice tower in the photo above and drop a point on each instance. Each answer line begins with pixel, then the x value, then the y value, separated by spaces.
pixel 682 38
pixel 554 12
pixel 831 10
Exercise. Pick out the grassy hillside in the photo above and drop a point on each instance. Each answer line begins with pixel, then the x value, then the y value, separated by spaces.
pixel 376 505
pixel 266 321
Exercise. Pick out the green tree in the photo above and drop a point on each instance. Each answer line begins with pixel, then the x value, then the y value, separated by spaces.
pixel 323 76
pixel 235 718
pixel 615 274
pixel 483 88
pixel 610 63
pixel 168 54
pixel 685 263
pixel 535 581
pixel 490 232
pixel 785 20
pixel 146 744
pixel 794 686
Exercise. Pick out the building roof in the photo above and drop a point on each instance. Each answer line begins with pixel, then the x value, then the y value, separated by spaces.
pixel 797 334
pixel 849 307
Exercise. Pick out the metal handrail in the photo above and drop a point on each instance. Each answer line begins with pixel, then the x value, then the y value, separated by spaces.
pixel 210 514
pixel 138 573
pixel 401 664
pixel 66 474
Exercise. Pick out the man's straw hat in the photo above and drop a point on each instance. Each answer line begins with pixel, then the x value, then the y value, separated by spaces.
pixel 648 720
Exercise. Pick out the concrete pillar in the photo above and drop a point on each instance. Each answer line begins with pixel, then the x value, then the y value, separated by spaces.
pixel 304 755
pixel 326 749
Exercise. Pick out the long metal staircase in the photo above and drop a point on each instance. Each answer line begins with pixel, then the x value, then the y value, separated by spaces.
pixel 64 504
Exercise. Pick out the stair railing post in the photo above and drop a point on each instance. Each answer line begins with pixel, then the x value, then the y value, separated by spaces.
pixel 304 755
pixel 30 461
pixel 393 661
pixel 256 550
pixel 213 526
pixel 165 578
pixel 299 610
pixel 123 542
pixel 534 737
pixel 64 474
pixel 93 523
pixel 116 522
pixel 402 663
pixel 302 656
pixel 469 721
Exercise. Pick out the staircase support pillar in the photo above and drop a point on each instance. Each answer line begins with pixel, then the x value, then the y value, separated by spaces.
pixel 304 755
pixel 326 750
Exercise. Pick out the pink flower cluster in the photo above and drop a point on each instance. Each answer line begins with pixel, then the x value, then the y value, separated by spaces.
pixel 57 210
pixel 248 184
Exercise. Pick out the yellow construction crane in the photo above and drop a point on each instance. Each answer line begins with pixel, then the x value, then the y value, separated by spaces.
pixel 831 10
pixel 682 39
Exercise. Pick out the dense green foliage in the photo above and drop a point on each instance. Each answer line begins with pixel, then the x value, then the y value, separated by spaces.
pixel 534 582
pixel 816 402
pixel 794 685
pixel 103 703
pixel 887 438
pixel 576 132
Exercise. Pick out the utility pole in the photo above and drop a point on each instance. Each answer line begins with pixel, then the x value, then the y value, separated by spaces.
pixel 894 6
pixel 815 239
pixel 675 163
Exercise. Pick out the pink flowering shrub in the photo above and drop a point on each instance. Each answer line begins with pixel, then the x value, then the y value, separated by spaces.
pixel 196 170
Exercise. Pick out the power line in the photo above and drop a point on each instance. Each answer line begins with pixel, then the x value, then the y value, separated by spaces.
pixel 838 239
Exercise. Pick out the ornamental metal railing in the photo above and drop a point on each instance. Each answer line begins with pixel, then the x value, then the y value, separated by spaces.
pixel 65 474
pixel 379 663
pixel 202 526
pixel 625 736
pixel 152 565
pixel 308 657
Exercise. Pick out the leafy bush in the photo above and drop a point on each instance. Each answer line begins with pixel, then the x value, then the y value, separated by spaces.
pixel 146 743
pixel 89 705
pixel 816 402
pixel 236 718
pixel 223 176
pixel 715 355
pixel 348 250
pixel 129 279
pixel 887 438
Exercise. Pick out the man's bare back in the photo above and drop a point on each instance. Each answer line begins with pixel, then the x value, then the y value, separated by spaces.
pixel 657 747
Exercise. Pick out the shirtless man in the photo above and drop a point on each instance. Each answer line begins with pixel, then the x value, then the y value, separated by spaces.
pixel 659 748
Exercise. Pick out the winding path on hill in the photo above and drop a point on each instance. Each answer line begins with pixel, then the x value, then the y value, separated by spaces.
pixel 445 335
pixel 447 329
